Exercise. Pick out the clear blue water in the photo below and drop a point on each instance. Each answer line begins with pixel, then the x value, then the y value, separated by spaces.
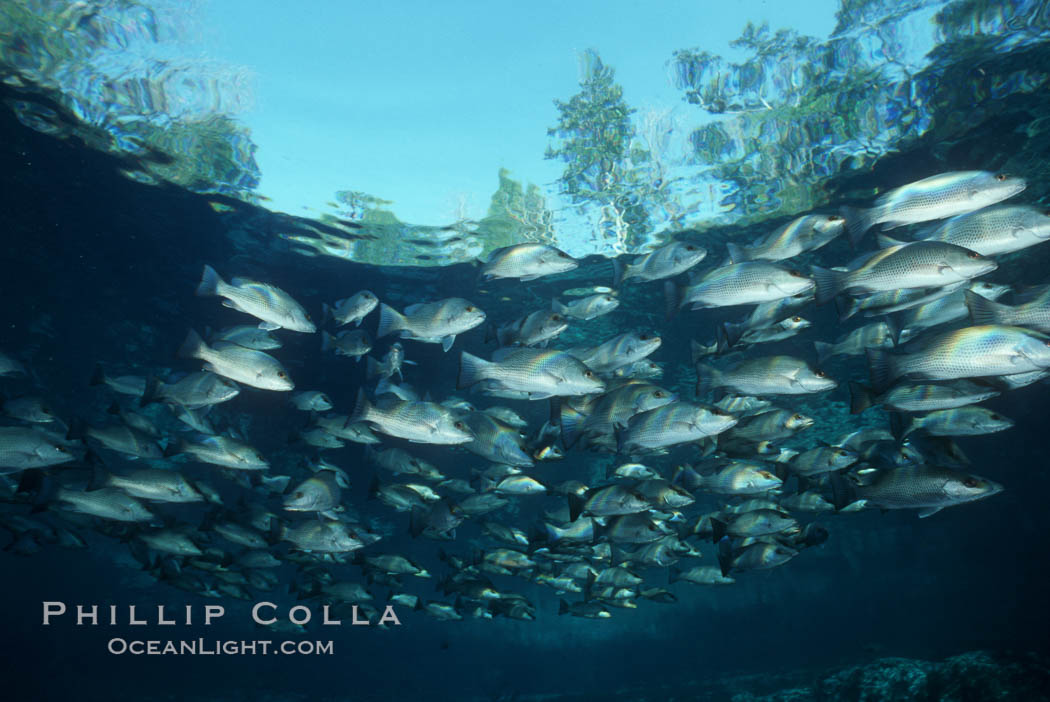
pixel 102 267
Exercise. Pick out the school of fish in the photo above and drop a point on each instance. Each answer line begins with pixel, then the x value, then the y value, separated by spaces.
pixel 727 464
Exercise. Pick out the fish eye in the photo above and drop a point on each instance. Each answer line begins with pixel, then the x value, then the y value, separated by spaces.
pixel 690 247
pixel 280 374
pixel 796 319
pixel 555 317
pixel 298 494
pixel 459 425
pixel 835 218
pixel 643 337
pixel 562 254
pixel 588 374
pixel 1000 177
pixel 974 255
pixel 470 308
pixel 970 482
pixel 658 393
pixel 796 274
pixel 61 449
pixel 994 416
pixel 819 373
pixel 798 417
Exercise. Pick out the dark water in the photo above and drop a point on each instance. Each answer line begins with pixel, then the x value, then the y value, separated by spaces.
pixel 97 267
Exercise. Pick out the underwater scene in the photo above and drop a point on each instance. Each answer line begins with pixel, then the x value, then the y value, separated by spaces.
pixel 481 352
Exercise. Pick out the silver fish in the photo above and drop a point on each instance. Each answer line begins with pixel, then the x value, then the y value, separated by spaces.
pixel 419 422
pixel 665 262
pixel 948 308
pixel 274 307
pixel 738 284
pixel 587 308
pixel 351 309
pixel 771 375
pixel 973 352
pixel 936 197
pixel 224 451
pixel 875 335
pixel 107 503
pixel 353 342
pixel 431 322
pixel 536 328
pixel 195 391
pixel 619 351
pixel 806 233
pixel 25 447
pixel 311 401
pixel 248 336
pixel 961 421
pixel 1034 314
pixel 248 366
pixel 995 230
pixel 921 264
pixel 526 262
pixel 675 423
pixel 924 487
pixel 921 398
pixel 534 373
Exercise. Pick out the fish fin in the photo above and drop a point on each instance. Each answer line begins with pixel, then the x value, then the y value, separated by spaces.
pixel 893 329
pixel 447 341
pixel 829 283
pixel 619 269
pixel 823 350
pixel 718 531
pixel 98 376
pixel 589 585
pixel 576 505
pixel 390 320
pixel 900 427
pixel 696 350
pixel 860 397
pixel 210 282
pixel 326 312
pixel 570 420
pixel 530 278
pixel 725 556
pixel 152 391
pixel 269 326
pixel 99 479
pixel 561 309
pixel 192 346
pixel 471 370
pixel 843 491
pixel 362 408
pixel 371 367
pixel 882 367
pixel 885 241
pixel 672 299
pixel 733 332
pixel 929 512
pixel 328 341
pixel 983 310
pixel 737 253
pixel 846 307
pixel 706 378
pixel 858 222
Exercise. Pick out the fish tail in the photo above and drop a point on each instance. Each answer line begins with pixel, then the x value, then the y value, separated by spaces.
pixel 362 409
pixel 697 350
pixel 732 331
pixel 882 367
pixel 672 299
pixel 901 427
pixel 860 397
pixel 100 478
pixel 718 530
pixel 620 270
pixel 327 341
pixel 737 253
pixel 570 420
pixel 984 311
pixel 471 370
pixel 193 346
pixel 823 349
pixel 725 556
pixel 390 320
pixel 893 328
pixel 846 307
pixel 152 392
pixel 371 367
pixel 210 282
pixel 707 378
pixel 843 491
pixel 326 311
pixel 829 283
pixel 562 309
pixel 858 222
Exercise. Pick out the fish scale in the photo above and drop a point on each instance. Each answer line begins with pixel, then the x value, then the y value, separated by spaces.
pixel 995 230
pixel 744 283
pixel 976 352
